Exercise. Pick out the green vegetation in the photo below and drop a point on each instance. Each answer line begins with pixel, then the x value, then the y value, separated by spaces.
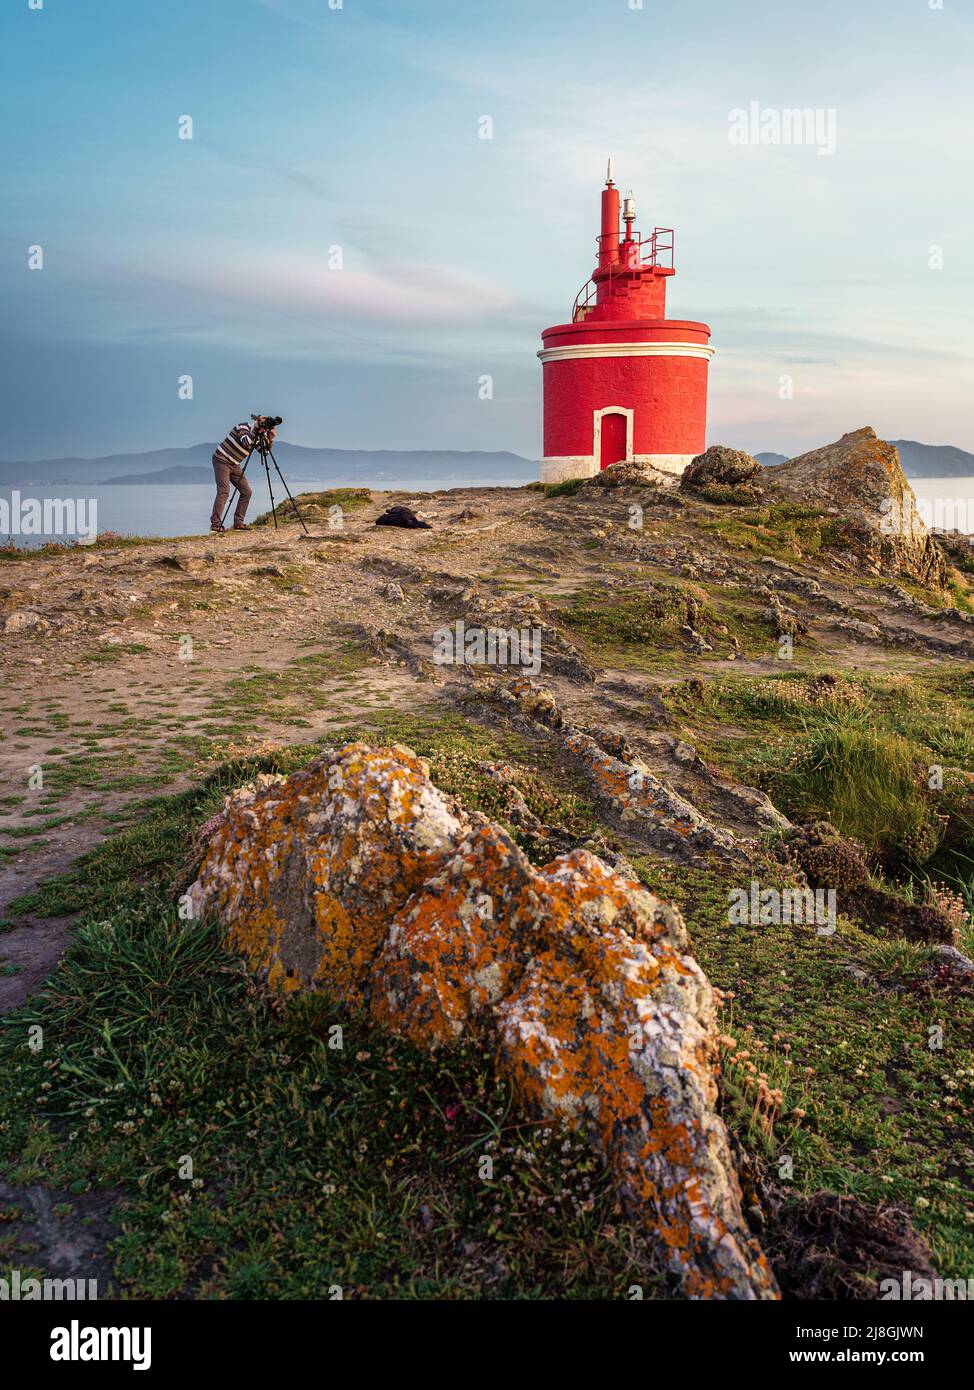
pixel 841 1026
pixel 566 489
pixel 113 651
pixel 629 617
pixel 643 626
pixel 52 550
pixel 868 784
pixel 785 530
pixel 727 495
pixel 316 1166
pixel 306 679
pixel 862 751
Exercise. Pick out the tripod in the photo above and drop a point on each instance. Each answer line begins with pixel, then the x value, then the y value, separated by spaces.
pixel 265 451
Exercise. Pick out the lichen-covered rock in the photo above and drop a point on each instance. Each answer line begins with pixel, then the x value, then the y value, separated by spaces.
pixel 307 873
pixel 635 797
pixel 536 701
pixel 861 479
pixel 719 465
pixel 359 878
pixel 627 790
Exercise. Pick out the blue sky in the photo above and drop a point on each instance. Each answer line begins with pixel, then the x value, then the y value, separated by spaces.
pixel 358 127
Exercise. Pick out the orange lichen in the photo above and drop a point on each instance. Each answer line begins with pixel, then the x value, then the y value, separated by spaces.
pixel 451 950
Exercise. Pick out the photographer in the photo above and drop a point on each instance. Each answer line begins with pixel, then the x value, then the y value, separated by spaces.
pixel 228 465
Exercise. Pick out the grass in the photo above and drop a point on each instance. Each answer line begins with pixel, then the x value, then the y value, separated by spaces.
pixel 886 1116
pixel 629 618
pixel 306 678
pixel 642 626
pixel 53 550
pixel 566 489
pixel 114 651
pixel 871 785
pixel 861 752
pixel 360 1166
pixel 727 494
pixel 785 530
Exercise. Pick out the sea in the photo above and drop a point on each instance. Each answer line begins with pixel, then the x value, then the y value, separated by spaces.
pixel 179 509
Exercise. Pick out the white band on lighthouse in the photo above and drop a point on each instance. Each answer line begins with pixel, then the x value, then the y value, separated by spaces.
pixel 559 470
pixel 564 354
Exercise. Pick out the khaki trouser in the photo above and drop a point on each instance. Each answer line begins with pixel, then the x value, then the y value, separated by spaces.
pixel 227 474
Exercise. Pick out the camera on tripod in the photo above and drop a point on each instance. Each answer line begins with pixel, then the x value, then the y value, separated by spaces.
pixel 263 424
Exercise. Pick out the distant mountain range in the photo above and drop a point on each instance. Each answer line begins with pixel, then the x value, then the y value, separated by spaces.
pixel 179 473
pixel 194 465
pixel 918 460
pixel 375 466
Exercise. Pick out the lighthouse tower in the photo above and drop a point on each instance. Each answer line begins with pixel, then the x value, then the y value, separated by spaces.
pixel 621 380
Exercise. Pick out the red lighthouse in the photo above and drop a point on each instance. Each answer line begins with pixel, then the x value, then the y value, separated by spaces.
pixel 622 381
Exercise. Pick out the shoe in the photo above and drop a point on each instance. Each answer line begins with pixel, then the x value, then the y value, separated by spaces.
pixel 218 529
pixel 240 526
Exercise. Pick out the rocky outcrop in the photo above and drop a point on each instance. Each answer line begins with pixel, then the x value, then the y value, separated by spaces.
pixel 860 480
pixel 22 619
pixel 783 621
pixel 626 789
pixel 954 963
pixel 359 878
pixel 719 466
pixel 525 614
pixel 633 796
pixel 308 872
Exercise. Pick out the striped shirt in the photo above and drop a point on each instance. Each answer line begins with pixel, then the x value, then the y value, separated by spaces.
pixel 237 445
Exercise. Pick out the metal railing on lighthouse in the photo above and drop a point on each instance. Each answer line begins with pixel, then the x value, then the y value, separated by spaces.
pixel 640 253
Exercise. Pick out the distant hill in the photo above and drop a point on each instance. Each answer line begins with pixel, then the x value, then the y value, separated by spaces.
pixel 918 460
pixel 933 460
pixel 179 473
pixel 194 464
pixel 97 470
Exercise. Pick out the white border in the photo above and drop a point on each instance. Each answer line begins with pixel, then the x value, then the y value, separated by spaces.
pixel 597 416
pixel 564 354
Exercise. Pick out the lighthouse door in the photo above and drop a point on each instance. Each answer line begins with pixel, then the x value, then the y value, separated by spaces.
pixel 613 439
